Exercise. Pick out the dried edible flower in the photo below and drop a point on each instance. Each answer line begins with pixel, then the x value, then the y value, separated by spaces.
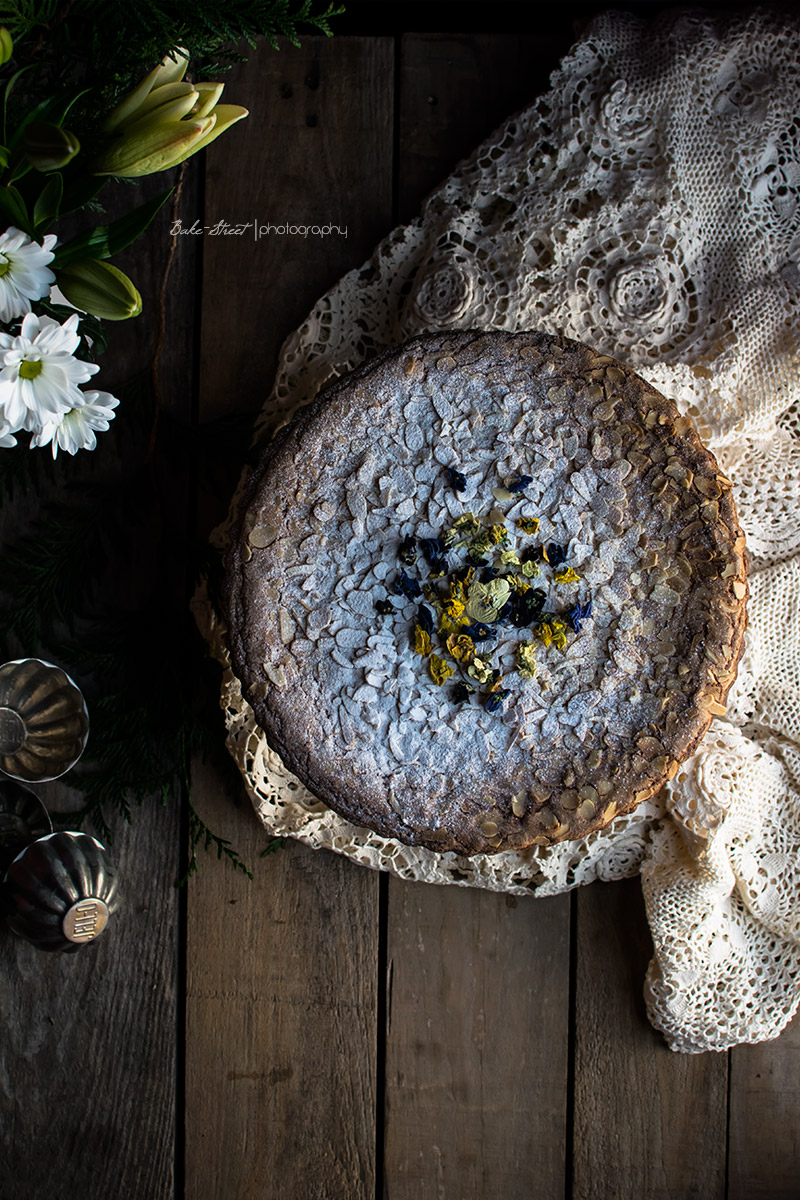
pixel 568 575
pixel 425 618
pixel 526 659
pixel 462 691
pixel 578 614
pixel 439 669
pixel 407 586
pixel 518 483
pixel 484 600
pixel 458 482
pixel 461 647
pixel 464 527
pixel 478 631
pixel 479 669
pixel 554 554
pixel 407 551
pixel 530 568
pixel 552 631
pixel 529 524
pixel 422 641
pixel 384 607
pixel 497 699
pixel 509 558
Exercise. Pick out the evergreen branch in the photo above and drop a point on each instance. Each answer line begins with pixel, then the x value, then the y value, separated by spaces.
pixel 199 833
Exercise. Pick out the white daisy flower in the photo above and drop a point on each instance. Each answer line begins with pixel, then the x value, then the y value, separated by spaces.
pixel 75 430
pixel 7 439
pixel 39 376
pixel 24 274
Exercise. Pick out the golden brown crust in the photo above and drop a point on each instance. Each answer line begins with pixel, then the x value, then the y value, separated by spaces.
pixel 645 512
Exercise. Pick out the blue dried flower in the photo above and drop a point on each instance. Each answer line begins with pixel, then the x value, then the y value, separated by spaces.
pixel 555 554
pixel 384 607
pixel 458 482
pixel 489 573
pixel 479 632
pixel 519 483
pixel 578 614
pixel 497 699
pixel 425 618
pixel 406 586
pixel 461 692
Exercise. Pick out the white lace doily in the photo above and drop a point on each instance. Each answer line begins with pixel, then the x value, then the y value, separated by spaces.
pixel 649 205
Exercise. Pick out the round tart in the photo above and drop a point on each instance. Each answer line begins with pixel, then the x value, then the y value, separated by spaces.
pixel 486 591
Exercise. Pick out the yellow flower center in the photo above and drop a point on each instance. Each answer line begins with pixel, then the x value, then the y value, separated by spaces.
pixel 29 370
pixel 5 266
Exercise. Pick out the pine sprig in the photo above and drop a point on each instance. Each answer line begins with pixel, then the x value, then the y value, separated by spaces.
pixel 201 835
pixel 107 46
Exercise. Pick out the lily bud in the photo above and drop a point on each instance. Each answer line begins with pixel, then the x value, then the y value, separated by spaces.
pixel 163 122
pixel 171 69
pixel 6 45
pixel 152 149
pixel 96 287
pixel 48 147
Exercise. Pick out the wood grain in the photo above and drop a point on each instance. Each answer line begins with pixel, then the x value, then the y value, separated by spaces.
pixel 87 1071
pixel 454 91
pixel 280 1020
pixel 647 1122
pixel 764 1126
pixel 281 995
pixel 476 1044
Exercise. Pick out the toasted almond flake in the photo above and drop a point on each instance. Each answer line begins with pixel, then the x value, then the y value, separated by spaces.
pixel 519 804
pixel 594 758
pixel 490 828
pixel 739 588
pixel 604 787
pixel 587 809
pixel 715 708
pixel 261 536
pixel 569 799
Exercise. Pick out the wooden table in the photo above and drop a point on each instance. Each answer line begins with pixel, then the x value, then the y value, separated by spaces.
pixel 323 1031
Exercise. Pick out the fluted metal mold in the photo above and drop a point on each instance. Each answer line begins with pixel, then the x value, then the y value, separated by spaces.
pixel 59 892
pixel 44 723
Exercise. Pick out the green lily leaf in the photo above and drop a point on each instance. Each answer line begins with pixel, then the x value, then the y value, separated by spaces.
pixel 80 191
pixel 47 206
pixel 12 208
pixel 107 240
pixel 9 89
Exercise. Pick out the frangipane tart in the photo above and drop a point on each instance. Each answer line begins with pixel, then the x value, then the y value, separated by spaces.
pixel 487 591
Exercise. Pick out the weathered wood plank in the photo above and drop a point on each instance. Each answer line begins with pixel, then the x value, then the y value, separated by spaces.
pixel 280 1022
pixel 88 1061
pixel 477 1028
pixel 477 1036
pixel 764 1123
pixel 455 90
pixel 87 1072
pixel 647 1122
pixel 281 993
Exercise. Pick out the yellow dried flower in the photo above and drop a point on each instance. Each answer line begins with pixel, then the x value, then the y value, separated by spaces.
pixel 461 647
pixel 529 524
pixel 568 575
pixel 422 642
pixel 440 670
pixel 526 659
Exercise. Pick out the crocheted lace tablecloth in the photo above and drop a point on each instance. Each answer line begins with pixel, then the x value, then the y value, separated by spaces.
pixel 648 205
